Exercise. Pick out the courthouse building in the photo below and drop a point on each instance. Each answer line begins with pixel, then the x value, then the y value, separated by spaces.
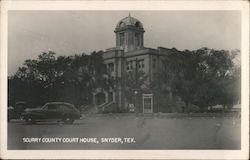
pixel 130 54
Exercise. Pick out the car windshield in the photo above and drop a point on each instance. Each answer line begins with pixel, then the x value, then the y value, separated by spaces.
pixel 44 107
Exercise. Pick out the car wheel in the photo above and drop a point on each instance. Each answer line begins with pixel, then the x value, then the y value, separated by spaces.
pixel 68 120
pixel 29 120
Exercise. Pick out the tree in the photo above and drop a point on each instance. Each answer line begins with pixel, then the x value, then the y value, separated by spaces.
pixel 199 77
pixel 135 81
pixel 64 78
pixel 213 69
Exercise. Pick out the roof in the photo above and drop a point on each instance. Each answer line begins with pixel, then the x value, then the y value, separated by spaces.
pixel 129 21
pixel 20 102
pixel 237 106
pixel 59 103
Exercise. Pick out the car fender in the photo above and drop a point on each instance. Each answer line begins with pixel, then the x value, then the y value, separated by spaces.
pixel 35 115
pixel 72 115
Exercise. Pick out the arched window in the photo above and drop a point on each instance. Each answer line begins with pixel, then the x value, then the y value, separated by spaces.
pixel 137 39
pixel 122 39
pixel 137 24
pixel 121 24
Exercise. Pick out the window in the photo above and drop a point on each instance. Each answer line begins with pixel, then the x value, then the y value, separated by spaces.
pixel 52 107
pixel 65 108
pixel 141 63
pixel 127 64
pixel 155 75
pixel 137 24
pixel 121 24
pixel 130 65
pixel 137 39
pixel 154 63
pixel 110 96
pixel 164 64
pixel 111 67
pixel 122 39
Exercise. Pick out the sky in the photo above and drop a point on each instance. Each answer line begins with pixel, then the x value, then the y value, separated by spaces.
pixel 75 32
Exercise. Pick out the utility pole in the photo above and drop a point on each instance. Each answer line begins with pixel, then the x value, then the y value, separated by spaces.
pixel 136 72
pixel 136 85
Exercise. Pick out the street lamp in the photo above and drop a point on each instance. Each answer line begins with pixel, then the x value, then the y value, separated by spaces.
pixel 135 92
pixel 135 105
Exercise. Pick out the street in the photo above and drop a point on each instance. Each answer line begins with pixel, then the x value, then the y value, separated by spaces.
pixel 128 131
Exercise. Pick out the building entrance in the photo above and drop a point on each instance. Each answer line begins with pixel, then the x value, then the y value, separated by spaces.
pixel 100 98
pixel 147 100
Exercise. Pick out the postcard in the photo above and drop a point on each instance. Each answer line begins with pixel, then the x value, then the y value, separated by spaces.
pixel 124 79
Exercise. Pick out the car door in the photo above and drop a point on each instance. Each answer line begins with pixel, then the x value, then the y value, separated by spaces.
pixel 41 113
pixel 53 111
pixel 65 110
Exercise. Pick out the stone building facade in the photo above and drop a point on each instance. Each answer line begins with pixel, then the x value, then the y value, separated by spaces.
pixel 130 54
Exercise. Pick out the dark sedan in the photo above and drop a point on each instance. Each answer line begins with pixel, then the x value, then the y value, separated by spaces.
pixel 16 111
pixel 52 111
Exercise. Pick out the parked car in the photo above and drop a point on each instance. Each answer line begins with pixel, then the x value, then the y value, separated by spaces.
pixel 16 111
pixel 52 111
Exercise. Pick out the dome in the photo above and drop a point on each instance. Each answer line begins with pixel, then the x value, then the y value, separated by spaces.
pixel 129 21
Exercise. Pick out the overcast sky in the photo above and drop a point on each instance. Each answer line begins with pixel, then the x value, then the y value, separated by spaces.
pixel 73 32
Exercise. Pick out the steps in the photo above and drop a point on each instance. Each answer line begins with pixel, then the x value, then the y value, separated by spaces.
pixel 105 107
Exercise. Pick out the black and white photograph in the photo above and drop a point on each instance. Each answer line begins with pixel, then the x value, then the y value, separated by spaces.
pixel 125 79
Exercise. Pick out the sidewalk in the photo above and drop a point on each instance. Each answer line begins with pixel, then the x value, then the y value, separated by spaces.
pixel 165 115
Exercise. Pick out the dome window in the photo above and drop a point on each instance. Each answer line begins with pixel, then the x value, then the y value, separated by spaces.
pixel 122 39
pixel 137 24
pixel 137 39
pixel 121 24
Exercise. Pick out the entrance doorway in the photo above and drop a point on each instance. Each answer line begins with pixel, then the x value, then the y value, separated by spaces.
pixel 100 98
pixel 147 100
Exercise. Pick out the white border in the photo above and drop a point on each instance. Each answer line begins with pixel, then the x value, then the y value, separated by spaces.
pixel 127 5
